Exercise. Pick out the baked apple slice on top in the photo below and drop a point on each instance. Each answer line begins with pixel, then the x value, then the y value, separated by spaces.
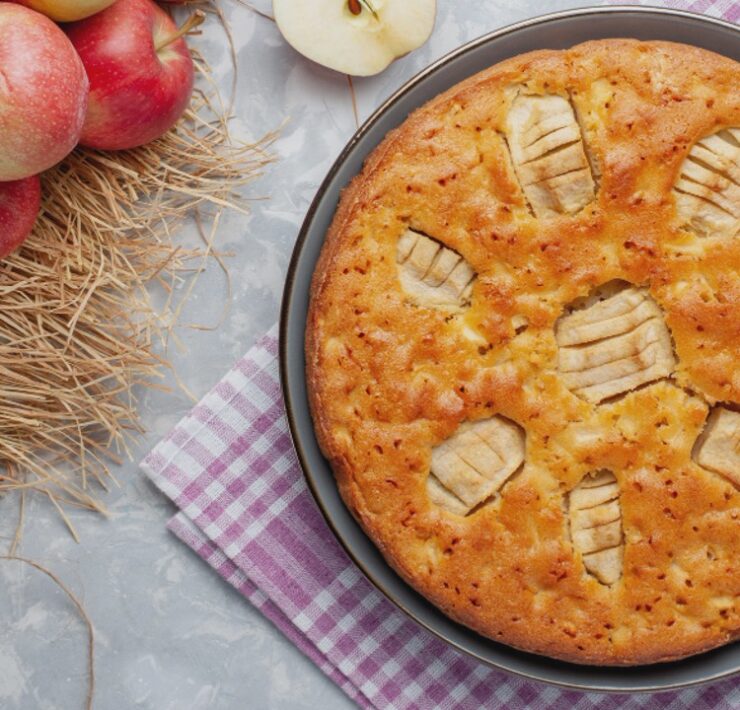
pixel 707 192
pixel 595 519
pixel 473 464
pixel 718 447
pixel 433 275
pixel 549 155
pixel 612 342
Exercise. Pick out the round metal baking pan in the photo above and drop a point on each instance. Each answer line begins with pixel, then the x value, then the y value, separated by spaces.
pixel 554 31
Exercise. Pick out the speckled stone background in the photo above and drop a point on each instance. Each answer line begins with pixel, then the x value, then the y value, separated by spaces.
pixel 170 634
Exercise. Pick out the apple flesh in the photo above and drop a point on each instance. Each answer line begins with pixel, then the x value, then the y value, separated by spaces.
pixel 358 37
pixel 140 71
pixel 66 10
pixel 43 93
pixel 19 206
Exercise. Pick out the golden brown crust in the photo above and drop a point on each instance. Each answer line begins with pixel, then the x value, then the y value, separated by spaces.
pixel 389 379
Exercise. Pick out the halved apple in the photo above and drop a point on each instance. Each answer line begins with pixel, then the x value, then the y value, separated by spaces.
pixel 358 37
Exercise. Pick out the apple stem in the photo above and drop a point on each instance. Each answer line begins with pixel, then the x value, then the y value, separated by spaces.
pixel 188 26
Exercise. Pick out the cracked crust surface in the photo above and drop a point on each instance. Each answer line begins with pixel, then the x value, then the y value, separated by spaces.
pixel 392 377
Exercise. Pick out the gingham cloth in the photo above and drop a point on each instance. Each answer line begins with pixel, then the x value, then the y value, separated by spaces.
pixel 245 509
pixel 726 9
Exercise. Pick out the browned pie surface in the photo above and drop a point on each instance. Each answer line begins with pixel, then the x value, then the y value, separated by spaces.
pixel 523 351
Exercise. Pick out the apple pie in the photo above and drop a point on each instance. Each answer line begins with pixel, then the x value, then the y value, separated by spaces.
pixel 523 349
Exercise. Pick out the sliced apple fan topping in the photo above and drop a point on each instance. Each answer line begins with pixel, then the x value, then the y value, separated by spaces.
pixel 433 275
pixel 595 519
pixel 707 192
pixel 613 342
pixel 718 447
pixel 472 465
pixel 549 155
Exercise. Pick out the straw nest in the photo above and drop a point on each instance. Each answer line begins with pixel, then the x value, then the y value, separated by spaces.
pixel 79 331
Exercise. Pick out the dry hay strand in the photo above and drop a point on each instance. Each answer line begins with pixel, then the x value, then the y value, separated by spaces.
pixel 79 332
pixel 90 629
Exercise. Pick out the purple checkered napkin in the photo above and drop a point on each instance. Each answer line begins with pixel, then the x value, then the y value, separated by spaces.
pixel 726 9
pixel 245 509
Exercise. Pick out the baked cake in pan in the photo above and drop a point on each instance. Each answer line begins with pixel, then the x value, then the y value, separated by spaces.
pixel 523 351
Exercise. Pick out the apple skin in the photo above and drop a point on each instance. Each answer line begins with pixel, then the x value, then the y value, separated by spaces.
pixel 136 92
pixel 20 201
pixel 66 10
pixel 43 93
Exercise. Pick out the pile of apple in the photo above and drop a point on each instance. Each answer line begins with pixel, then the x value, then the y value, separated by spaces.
pixel 110 76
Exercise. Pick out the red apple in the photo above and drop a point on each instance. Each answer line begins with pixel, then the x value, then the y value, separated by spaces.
pixel 43 93
pixel 140 70
pixel 19 206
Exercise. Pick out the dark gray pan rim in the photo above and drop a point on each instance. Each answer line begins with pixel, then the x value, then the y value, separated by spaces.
pixel 292 343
